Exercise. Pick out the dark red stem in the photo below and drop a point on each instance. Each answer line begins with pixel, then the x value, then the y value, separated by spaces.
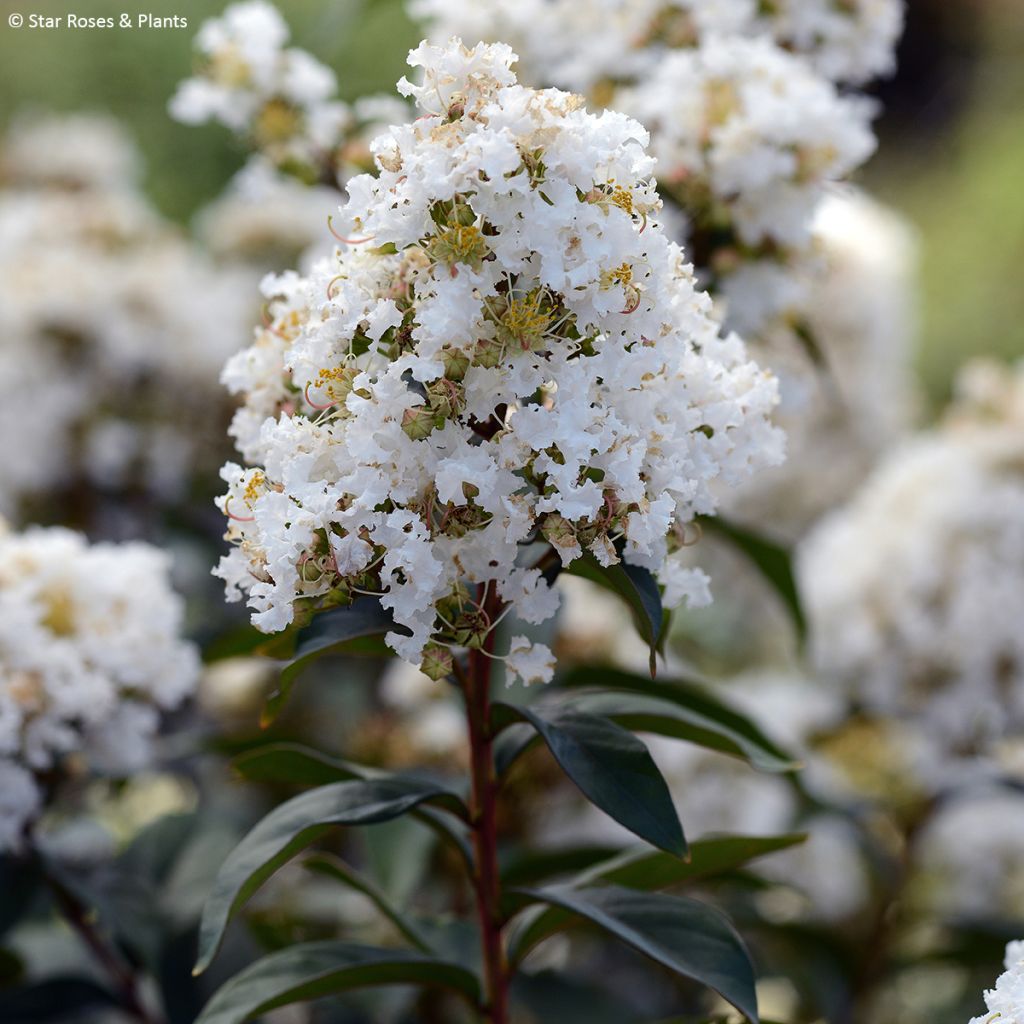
pixel 120 973
pixel 484 810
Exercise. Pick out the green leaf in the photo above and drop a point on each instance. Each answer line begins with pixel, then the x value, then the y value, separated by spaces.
pixel 680 709
pixel 334 867
pixel 332 631
pixel 292 827
pixel 529 866
pixel 649 870
pixel 688 937
pixel 295 764
pixel 292 763
pixel 298 765
pixel 612 768
pixel 637 587
pixel 645 869
pixel 550 996
pixel 772 560
pixel 316 969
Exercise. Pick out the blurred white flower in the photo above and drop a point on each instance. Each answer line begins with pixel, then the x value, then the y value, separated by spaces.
pixel 280 98
pixel 267 218
pixel 68 152
pixel 112 325
pixel 90 655
pixel 580 44
pixel 915 590
pixel 844 405
pixel 970 858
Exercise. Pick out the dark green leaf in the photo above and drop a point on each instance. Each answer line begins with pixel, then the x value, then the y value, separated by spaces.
pixel 612 768
pixel 55 999
pixel 334 867
pixel 548 996
pixel 152 853
pixel 329 631
pixel 529 866
pixel 688 937
pixel 646 869
pixel 772 560
pixel 649 870
pixel 637 587
pixel 316 969
pixel 292 763
pixel 292 827
pixel 234 643
pixel 295 764
pixel 695 715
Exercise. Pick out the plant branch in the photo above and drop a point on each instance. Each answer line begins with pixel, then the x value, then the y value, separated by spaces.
pixel 120 973
pixel 476 687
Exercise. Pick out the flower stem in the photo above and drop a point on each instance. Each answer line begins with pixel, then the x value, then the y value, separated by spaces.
pixel 487 884
pixel 120 973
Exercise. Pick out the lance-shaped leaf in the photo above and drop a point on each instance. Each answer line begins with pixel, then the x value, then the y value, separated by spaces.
pixel 612 768
pixel 527 867
pixel 645 869
pixel 552 996
pixel 315 969
pixel 292 827
pixel 773 562
pixel 637 587
pixel 347 628
pixel 688 937
pixel 678 708
pixel 294 764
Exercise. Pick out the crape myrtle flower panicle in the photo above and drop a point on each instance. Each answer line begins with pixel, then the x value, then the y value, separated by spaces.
pixel 90 655
pixel 281 98
pixel 506 348
pixel 1005 1002
pixel 747 136
pixel 916 588
pixel 586 44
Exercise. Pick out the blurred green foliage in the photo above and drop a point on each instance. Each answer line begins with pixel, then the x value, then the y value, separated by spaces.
pixel 963 193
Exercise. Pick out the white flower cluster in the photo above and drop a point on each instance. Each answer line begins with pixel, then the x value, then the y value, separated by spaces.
pixel 281 98
pixel 579 45
pixel 746 137
pixel 916 589
pixel 1005 1002
pixel 90 655
pixel 508 348
pixel 753 125
pixel 112 325
pixel 975 879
